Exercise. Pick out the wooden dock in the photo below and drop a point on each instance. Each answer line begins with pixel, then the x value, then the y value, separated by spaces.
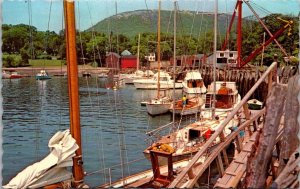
pixel 259 162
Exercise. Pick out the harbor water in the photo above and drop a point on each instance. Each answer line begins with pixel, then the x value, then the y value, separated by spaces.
pixel 113 125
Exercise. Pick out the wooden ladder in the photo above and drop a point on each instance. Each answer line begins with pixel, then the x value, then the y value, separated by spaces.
pixel 208 101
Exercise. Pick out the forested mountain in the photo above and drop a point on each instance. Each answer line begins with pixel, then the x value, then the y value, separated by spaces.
pixel 143 21
pixel 118 33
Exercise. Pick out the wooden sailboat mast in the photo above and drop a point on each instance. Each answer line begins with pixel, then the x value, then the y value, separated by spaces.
pixel 158 49
pixel 215 59
pixel 174 62
pixel 70 32
pixel 138 54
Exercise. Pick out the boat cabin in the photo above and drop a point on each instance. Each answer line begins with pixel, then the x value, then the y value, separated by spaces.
pixel 226 95
pixel 163 76
pixel 195 133
pixel 193 79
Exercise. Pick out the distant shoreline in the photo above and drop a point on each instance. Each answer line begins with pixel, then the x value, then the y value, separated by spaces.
pixel 56 70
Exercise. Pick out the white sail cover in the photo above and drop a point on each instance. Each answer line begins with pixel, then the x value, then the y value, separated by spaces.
pixel 52 168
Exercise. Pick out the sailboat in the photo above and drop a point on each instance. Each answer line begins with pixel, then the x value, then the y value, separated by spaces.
pixel 220 99
pixel 160 104
pixel 65 147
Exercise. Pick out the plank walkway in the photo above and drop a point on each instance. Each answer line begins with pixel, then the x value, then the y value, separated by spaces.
pixel 236 170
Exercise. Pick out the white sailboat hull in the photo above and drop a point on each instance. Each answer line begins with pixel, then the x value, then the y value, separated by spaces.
pixel 160 106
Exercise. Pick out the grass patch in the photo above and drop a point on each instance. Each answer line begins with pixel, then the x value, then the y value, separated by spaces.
pixel 46 63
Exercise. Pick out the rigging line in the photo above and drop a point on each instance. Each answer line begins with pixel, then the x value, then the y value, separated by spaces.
pixel 182 30
pixel 227 23
pixel 100 136
pixel 103 170
pixel 30 29
pixel 192 27
pixel 61 79
pixel 152 25
pixel 120 132
pixel 169 22
pixel 48 31
pixel 200 28
pixel 93 34
pixel 261 8
pixel 94 37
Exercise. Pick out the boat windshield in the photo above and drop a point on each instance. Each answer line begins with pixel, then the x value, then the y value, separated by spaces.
pixel 163 79
pixel 224 101
pixel 193 83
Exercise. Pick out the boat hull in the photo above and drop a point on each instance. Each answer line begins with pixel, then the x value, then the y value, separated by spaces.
pixel 42 77
pixel 158 108
pixel 153 85
pixel 194 106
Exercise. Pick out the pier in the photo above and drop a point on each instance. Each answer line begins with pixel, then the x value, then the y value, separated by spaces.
pixel 260 150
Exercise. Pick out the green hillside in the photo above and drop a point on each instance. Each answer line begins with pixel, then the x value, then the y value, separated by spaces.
pixel 141 21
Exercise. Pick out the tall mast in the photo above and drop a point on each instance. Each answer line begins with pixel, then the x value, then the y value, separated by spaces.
pixel 215 59
pixel 70 32
pixel 174 61
pixel 138 54
pixel 158 49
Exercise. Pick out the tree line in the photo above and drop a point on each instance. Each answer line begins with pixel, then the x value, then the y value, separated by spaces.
pixel 29 43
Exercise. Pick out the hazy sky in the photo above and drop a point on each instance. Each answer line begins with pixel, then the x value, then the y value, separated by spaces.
pixel 92 11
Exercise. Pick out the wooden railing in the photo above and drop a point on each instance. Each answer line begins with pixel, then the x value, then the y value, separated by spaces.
pixel 193 175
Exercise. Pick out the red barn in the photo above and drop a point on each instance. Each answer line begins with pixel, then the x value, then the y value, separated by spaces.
pixel 128 61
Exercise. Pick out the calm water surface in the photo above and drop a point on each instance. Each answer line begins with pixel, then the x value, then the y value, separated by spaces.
pixel 113 125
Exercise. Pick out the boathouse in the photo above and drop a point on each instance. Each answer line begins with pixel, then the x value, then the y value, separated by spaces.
pixel 189 60
pixel 112 60
pixel 224 58
pixel 128 60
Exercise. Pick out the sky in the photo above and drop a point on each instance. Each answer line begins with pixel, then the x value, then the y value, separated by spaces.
pixel 47 14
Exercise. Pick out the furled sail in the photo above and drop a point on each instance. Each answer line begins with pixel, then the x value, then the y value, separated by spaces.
pixel 53 168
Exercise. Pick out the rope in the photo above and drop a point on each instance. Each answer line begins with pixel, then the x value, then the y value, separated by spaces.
pixel 192 27
pixel 200 28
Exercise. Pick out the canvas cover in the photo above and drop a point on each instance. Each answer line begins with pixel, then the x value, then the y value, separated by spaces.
pixel 52 168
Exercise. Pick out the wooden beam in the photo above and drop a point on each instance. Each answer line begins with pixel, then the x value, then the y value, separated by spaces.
pixel 220 165
pixel 257 171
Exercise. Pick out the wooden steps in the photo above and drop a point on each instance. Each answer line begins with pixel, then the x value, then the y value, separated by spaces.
pixel 237 168
pixel 208 100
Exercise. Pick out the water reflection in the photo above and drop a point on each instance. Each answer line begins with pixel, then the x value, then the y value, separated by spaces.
pixel 35 110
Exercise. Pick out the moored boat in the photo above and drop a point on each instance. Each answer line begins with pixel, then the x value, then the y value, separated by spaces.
pixel 189 140
pixel 255 104
pixel 5 75
pixel 15 75
pixel 193 84
pixel 158 106
pixel 165 82
pixel 192 106
pixel 43 75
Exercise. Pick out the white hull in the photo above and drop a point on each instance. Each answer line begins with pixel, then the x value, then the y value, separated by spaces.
pixel 148 84
pixel 160 106
pixel 165 82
